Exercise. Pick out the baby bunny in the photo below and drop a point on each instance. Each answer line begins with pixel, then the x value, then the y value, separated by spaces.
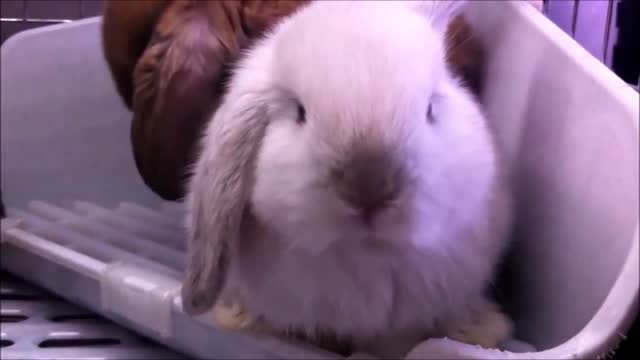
pixel 349 184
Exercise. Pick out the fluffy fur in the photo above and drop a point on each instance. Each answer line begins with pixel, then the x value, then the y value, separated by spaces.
pixel 268 226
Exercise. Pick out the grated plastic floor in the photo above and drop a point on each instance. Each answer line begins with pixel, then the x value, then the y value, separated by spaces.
pixel 124 263
pixel 130 233
pixel 38 325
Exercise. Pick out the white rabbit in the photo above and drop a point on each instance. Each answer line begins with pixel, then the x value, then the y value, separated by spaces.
pixel 349 184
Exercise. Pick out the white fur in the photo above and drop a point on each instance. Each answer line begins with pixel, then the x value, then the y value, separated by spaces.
pixel 365 73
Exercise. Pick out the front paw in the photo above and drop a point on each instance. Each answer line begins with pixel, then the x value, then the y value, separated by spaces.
pixel 232 317
pixel 487 327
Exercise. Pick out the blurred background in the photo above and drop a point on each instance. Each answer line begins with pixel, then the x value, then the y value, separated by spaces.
pixel 606 28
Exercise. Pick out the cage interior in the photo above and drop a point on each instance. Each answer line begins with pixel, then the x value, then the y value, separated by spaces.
pixel 573 155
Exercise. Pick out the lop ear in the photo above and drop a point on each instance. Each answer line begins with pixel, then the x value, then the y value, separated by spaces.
pixel 440 12
pixel 219 191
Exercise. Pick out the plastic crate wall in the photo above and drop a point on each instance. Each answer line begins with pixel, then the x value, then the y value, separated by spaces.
pixel 591 23
pixel 20 15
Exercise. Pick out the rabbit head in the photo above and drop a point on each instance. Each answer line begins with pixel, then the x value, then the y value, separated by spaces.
pixel 343 125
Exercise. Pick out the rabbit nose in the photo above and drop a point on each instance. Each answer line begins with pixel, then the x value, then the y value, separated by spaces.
pixel 368 182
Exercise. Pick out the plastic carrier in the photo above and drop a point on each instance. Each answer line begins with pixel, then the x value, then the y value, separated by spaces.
pixel 39 325
pixel 82 224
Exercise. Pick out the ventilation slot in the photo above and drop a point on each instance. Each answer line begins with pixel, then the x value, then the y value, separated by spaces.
pixel 19 297
pixel 12 318
pixel 89 342
pixel 77 318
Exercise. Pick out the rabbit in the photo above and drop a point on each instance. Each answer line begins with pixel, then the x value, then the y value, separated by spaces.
pixel 349 184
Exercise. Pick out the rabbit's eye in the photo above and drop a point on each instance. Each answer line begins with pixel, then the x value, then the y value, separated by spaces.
pixel 430 117
pixel 301 115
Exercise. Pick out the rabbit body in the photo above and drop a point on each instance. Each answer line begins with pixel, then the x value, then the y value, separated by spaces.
pixel 350 184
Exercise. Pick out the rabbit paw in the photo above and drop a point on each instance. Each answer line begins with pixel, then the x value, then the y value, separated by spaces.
pixel 232 317
pixel 487 327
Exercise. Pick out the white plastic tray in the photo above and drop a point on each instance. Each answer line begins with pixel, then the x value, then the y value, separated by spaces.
pixel 98 237
pixel 38 325
pixel 124 263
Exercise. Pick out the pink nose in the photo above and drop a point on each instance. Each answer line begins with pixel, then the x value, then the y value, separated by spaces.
pixel 368 212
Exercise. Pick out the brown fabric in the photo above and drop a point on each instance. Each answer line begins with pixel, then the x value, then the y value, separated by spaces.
pixel 169 61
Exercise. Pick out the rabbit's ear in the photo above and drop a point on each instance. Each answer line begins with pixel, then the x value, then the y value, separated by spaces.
pixel 440 12
pixel 220 190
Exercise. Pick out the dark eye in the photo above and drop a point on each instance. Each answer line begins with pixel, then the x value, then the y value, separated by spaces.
pixel 430 118
pixel 301 116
